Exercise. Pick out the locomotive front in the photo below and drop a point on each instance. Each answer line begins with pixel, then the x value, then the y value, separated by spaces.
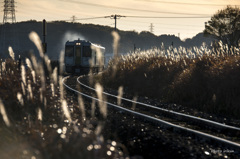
pixel 81 55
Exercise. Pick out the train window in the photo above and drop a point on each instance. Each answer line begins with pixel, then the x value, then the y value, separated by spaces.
pixel 69 51
pixel 87 51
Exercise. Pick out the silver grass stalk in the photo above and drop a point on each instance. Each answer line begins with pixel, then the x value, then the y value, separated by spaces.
pixel 55 75
pixel 66 111
pixel 98 130
pixel 40 115
pixel 11 53
pixel 3 66
pixel 20 98
pixel 29 64
pixel 30 91
pixel 48 63
pixel 120 94
pixel 4 114
pixel 134 103
pixel 33 36
pixel 33 76
pixel 41 95
pixel 53 90
pixel 23 89
pixel 81 106
pixel 116 39
pixel 42 77
pixel 61 87
pixel 23 74
pixel 35 63
pixel 99 58
pixel 102 105
pixel 61 62
pixel 93 105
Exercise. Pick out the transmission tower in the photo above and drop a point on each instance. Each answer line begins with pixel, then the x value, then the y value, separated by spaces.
pixel 151 28
pixel 9 11
pixel 9 35
pixel 73 19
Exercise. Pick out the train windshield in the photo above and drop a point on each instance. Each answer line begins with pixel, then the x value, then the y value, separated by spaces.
pixel 87 51
pixel 69 51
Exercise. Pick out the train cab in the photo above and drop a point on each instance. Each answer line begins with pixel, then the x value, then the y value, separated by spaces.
pixel 81 55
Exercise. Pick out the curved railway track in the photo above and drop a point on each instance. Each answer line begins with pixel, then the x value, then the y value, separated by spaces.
pixel 204 129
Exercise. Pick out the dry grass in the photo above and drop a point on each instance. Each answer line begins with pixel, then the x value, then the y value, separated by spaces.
pixel 39 120
pixel 203 78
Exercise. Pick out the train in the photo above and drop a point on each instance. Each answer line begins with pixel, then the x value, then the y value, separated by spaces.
pixel 81 56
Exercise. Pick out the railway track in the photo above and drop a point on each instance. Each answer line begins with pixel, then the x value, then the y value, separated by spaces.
pixel 203 129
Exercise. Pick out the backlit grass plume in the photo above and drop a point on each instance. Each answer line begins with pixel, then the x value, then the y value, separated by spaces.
pixel 188 76
pixel 11 53
pixel 101 104
pixel 4 114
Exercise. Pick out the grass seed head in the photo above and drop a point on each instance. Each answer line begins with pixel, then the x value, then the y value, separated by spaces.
pixel 30 91
pixel 66 111
pixel 55 75
pixel 20 98
pixel 93 107
pixel 81 106
pixel 33 36
pixel 11 53
pixel 61 62
pixel 29 64
pixel 4 114
pixel 23 74
pixel 102 104
pixel 23 88
pixel 39 113
pixel 120 94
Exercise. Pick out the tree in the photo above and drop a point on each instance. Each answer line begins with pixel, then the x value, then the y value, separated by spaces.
pixel 225 26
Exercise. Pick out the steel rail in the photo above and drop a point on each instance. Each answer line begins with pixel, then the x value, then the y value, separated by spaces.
pixel 177 114
pixel 163 123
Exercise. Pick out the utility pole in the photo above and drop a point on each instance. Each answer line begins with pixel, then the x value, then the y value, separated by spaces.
pixel 44 44
pixel 9 11
pixel 115 17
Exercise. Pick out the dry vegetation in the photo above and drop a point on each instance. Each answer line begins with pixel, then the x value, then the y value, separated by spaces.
pixel 39 120
pixel 201 78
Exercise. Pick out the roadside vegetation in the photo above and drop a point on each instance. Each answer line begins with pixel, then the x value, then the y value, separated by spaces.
pixel 203 78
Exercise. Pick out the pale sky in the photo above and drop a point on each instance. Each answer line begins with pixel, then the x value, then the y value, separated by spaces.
pixel 143 12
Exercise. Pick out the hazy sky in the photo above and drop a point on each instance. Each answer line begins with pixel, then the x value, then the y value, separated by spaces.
pixel 144 12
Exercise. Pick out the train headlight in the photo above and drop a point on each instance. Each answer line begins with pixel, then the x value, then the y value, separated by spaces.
pixel 78 43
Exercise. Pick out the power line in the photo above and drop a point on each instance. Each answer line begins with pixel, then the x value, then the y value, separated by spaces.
pixel 162 17
pixel 146 17
pixel 129 9
pixel 184 3
pixel 119 16
pixel 92 18
pixel 184 25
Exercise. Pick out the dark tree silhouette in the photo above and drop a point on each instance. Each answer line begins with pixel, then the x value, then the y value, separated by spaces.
pixel 225 26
